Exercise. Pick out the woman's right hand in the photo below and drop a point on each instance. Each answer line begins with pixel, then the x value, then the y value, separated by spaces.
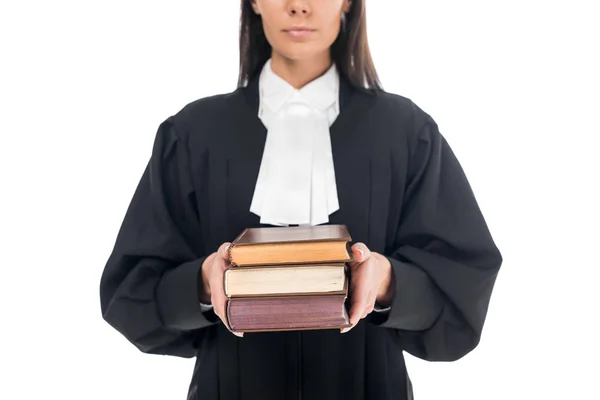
pixel 213 288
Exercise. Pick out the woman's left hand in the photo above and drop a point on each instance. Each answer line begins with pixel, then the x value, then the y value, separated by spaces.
pixel 371 281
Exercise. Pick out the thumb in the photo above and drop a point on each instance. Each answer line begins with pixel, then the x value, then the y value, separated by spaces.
pixel 224 251
pixel 360 252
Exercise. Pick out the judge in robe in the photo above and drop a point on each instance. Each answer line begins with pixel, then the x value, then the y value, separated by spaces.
pixel 308 138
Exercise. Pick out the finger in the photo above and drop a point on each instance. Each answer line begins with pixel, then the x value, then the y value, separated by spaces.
pixel 356 308
pixel 369 304
pixel 359 290
pixel 224 252
pixel 221 310
pixel 360 252
pixel 363 294
pixel 218 297
pixel 219 307
pixel 216 284
pixel 224 319
pixel 357 305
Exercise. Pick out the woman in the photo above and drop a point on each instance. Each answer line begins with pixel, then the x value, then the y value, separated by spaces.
pixel 308 138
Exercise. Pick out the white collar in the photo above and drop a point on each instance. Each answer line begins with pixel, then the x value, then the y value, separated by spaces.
pixel 296 180
pixel 321 92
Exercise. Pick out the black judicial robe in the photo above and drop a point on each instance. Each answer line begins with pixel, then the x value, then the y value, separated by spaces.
pixel 401 191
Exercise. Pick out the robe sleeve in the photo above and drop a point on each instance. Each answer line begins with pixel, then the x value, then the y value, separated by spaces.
pixel 150 284
pixel 444 259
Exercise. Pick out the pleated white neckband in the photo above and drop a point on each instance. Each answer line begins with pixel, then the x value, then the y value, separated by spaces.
pixel 296 181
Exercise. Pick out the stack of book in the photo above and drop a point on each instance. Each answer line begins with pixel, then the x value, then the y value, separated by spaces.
pixel 288 278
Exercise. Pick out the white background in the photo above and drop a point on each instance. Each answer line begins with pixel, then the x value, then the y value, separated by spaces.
pixel 513 84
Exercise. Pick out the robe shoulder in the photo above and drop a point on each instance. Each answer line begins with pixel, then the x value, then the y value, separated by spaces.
pixel 398 123
pixel 211 121
pixel 204 113
pixel 401 111
pixel 393 108
pixel 400 107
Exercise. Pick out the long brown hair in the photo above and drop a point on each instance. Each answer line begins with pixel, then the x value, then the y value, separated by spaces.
pixel 350 51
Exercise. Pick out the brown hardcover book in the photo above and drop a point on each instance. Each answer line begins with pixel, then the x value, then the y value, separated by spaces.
pixel 287 280
pixel 263 314
pixel 291 245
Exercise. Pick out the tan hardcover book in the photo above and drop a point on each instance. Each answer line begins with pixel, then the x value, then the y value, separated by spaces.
pixel 291 245
pixel 286 280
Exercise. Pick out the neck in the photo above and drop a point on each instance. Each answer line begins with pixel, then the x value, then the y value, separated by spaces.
pixel 298 73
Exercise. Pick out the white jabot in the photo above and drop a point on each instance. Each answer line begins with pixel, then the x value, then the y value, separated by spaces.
pixel 296 180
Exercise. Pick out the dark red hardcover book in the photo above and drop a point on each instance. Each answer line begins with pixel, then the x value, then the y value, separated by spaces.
pixel 287 313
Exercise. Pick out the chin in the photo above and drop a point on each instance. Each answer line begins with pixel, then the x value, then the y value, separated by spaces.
pixel 300 52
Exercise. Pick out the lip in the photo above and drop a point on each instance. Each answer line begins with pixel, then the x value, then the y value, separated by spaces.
pixel 299 31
